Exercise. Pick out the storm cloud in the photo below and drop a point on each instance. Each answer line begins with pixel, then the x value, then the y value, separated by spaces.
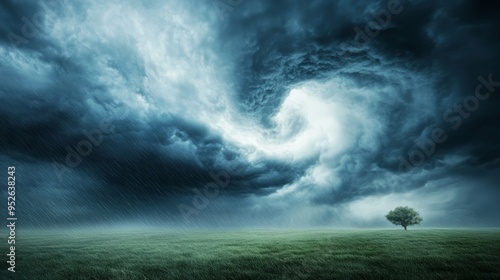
pixel 317 113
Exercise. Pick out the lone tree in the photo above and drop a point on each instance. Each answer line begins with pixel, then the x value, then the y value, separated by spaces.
pixel 404 216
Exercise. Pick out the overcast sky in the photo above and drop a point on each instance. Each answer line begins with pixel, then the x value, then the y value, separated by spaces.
pixel 251 113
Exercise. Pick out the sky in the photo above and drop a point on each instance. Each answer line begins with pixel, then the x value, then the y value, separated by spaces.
pixel 238 113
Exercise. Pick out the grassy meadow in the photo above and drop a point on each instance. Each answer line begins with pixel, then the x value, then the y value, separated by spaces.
pixel 257 254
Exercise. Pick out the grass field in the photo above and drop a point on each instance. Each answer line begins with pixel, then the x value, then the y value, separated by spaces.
pixel 258 254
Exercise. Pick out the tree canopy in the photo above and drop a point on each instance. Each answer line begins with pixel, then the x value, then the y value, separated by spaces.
pixel 404 216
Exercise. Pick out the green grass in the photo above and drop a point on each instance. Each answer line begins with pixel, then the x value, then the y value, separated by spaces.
pixel 258 254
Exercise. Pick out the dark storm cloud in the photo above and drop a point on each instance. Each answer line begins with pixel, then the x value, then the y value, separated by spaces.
pixel 425 59
pixel 44 120
pixel 12 14
pixel 283 43
pixel 172 156
pixel 423 35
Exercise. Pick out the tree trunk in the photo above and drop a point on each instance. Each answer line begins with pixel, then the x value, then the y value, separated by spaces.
pixel 404 227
